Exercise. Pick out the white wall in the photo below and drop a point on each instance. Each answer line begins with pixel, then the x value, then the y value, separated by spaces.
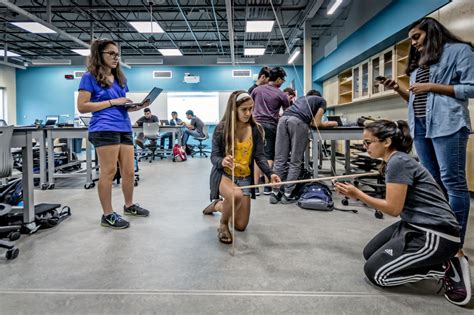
pixel 8 82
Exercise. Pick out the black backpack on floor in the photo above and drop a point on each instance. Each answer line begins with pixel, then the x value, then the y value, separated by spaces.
pixel 316 196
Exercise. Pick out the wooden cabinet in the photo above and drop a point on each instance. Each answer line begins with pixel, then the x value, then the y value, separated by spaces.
pixel 345 87
pixel 402 49
pixel 359 83
pixel 381 65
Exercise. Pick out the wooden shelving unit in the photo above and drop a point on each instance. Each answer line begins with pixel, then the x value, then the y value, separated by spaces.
pixel 345 87
pixel 358 83
pixel 401 50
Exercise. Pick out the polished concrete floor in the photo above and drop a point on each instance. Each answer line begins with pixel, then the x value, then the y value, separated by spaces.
pixel 288 261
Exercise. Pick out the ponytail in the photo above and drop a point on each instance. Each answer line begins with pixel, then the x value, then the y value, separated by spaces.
pixel 398 131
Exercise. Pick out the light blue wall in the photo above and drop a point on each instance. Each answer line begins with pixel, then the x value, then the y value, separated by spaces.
pixel 44 90
pixel 385 29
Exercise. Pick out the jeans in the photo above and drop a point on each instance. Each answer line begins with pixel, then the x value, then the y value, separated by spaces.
pixel 188 133
pixel 169 136
pixel 445 159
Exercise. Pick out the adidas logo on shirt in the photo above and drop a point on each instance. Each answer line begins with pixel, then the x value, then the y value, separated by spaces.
pixel 389 251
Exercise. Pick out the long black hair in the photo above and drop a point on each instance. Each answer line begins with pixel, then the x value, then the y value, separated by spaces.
pixel 436 36
pixel 398 131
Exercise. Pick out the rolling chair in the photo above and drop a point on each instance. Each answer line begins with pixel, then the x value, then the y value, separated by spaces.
pixel 151 131
pixel 201 147
pixel 6 166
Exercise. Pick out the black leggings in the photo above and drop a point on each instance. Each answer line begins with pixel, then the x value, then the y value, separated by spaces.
pixel 402 253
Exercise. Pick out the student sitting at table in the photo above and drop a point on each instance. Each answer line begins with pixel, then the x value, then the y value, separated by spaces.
pixel 147 118
pixel 292 137
pixel 194 128
pixel 174 121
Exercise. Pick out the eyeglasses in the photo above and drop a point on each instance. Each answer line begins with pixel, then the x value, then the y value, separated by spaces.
pixel 112 54
pixel 366 143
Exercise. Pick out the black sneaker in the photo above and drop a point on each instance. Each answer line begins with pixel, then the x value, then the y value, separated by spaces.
pixel 287 199
pixel 267 190
pixel 257 192
pixel 457 281
pixel 136 210
pixel 275 198
pixel 114 221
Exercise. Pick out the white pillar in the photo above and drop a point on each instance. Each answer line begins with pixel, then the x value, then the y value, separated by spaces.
pixel 307 58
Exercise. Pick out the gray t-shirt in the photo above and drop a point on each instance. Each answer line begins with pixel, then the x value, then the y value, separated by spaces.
pixel 143 120
pixel 301 110
pixel 198 124
pixel 425 204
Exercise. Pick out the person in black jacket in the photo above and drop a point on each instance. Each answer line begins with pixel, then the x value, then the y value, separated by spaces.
pixel 248 148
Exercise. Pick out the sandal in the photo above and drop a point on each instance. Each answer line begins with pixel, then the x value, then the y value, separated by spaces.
pixel 211 208
pixel 224 236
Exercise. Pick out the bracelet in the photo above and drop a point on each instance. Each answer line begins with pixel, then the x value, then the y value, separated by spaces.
pixel 110 102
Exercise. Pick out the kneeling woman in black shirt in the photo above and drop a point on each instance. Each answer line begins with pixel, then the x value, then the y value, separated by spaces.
pixel 423 244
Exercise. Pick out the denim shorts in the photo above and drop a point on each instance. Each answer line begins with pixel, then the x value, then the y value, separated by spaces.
pixel 103 138
pixel 242 181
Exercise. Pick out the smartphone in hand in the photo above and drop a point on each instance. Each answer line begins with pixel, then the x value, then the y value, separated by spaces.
pixel 380 79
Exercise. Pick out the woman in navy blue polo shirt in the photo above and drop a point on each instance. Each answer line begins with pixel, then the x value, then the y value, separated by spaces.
pixel 110 131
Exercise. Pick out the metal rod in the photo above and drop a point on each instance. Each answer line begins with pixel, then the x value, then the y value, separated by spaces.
pixel 189 25
pixel 228 5
pixel 310 180
pixel 217 26
pixel 233 181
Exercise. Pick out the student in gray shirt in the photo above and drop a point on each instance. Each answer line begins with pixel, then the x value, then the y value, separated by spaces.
pixel 292 140
pixel 194 128
pixel 423 244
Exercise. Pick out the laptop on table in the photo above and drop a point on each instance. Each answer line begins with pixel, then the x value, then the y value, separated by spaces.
pixel 51 121
pixel 150 98
pixel 336 119
pixel 340 124
pixel 86 120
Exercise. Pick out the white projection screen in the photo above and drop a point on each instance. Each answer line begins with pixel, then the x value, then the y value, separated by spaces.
pixel 205 105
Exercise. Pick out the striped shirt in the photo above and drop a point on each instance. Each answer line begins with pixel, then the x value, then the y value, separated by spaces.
pixel 419 103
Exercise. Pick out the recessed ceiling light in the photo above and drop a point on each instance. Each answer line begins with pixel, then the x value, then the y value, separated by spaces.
pixel 147 27
pixel 293 56
pixel 34 27
pixel 333 6
pixel 170 52
pixel 9 54
pixel 254 51
pixel 82 52
pixel 259 26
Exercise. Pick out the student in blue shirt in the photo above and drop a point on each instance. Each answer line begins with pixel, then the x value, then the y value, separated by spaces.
pixel 110 130
pixel 441 70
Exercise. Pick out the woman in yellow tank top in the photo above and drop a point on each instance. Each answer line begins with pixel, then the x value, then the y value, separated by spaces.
pixel 249 147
